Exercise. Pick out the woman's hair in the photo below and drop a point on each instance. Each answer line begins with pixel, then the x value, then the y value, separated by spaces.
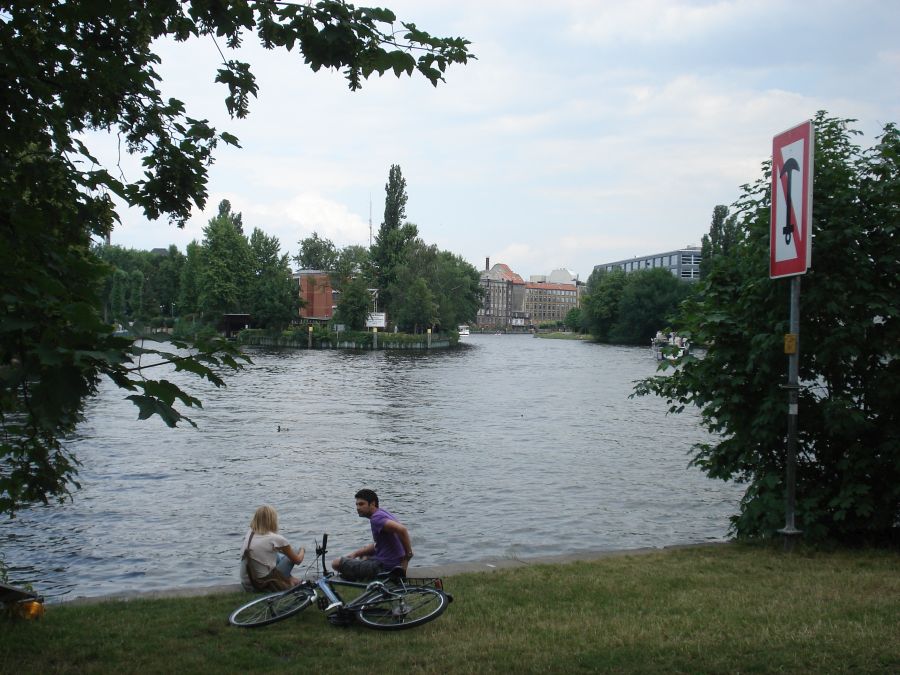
pixel 265 520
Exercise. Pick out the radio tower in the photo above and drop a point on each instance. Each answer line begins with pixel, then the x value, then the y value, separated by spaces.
pixel 370 220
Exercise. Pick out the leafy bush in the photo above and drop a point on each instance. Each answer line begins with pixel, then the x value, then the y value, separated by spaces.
pixel 848 471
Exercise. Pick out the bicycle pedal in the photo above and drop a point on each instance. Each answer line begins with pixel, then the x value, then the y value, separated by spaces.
pixel 340 619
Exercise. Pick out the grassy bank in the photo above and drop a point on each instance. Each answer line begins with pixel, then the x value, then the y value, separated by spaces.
pixel 719 609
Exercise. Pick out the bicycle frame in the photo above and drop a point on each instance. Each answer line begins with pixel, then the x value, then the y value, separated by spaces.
pixel 327 585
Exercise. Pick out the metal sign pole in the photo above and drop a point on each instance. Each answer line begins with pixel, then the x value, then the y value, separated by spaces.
pixel 792 348
pixel 790 250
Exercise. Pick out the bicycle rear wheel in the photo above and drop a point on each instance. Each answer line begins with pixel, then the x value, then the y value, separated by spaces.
pixel 271 608
pixel 401 608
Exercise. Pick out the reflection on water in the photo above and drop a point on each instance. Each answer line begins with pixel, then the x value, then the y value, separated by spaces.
pixel 511 446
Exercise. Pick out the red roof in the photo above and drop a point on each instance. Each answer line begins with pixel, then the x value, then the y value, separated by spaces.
pixel 507 274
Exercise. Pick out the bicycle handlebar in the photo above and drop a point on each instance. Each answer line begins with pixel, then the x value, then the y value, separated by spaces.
pixel 321 551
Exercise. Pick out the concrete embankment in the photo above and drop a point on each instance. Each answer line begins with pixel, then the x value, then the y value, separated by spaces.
pixel 484 566
pixel 382 342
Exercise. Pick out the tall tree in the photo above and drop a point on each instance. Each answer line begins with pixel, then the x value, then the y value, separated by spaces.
pixel 136 293
pixel 72 67
pixel 226 266
pixel 273 300
pixel 390 250
pixel 723 236
pixel 848 464
pixel 166 280
pixel 140 288
pixel 118 306
pixel 394 200
pixel 316 253
pixel 189 280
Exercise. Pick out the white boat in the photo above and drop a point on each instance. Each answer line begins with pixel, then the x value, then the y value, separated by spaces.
pixel 671 347
pixel 463 330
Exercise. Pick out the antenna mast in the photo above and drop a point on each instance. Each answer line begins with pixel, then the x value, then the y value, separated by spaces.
pixel 370 220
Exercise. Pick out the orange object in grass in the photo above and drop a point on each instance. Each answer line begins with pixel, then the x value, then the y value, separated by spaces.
pixel 30 609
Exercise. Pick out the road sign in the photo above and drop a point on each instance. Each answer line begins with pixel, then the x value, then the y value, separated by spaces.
pixel 376 320
pixel 790 240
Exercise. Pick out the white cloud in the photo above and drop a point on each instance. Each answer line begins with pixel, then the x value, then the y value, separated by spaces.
pixel 653 21
pixel 585 131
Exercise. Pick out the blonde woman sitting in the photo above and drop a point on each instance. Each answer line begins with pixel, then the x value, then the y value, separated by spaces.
pixel 266 556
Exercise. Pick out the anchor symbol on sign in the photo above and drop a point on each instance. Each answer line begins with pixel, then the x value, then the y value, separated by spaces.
pixel 788 229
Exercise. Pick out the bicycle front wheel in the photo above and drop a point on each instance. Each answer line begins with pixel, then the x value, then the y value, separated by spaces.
pixel 402 608
pixel 271 608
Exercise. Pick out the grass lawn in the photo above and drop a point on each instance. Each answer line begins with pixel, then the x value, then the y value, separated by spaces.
pixel 719 609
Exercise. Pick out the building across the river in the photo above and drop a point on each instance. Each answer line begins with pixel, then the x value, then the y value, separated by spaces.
pixel 503 306
pixel 551 298
pixel 512 304
pixel 320 300
pixel 683 263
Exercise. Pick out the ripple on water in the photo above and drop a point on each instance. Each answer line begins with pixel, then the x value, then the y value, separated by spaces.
pixel 511 447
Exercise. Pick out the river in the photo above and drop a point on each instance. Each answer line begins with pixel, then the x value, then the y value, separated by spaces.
pixel 509 446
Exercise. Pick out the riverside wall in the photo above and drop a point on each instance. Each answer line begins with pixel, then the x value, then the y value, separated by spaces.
pixel 383 343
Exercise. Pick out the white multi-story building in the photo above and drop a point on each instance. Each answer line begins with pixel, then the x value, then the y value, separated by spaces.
pixel 683 263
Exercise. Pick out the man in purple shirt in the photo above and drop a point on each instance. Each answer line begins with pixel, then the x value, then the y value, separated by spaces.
pixel 391 548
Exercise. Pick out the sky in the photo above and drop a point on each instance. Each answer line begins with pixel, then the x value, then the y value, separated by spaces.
pixel 585 132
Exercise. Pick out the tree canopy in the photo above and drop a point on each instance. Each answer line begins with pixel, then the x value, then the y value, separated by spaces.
pixel 73 67
pixel 848 464
pixel 225 264
pixel 316 253
pixel 354 304
pixel 630 308
pixel 723 235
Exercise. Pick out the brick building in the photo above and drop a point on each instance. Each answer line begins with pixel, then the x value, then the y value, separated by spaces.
pixel 315 290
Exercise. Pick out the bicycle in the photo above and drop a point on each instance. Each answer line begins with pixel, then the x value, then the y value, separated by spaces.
pixel 392 601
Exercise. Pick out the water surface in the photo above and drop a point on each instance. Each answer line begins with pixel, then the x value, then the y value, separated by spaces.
pixel 510 446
